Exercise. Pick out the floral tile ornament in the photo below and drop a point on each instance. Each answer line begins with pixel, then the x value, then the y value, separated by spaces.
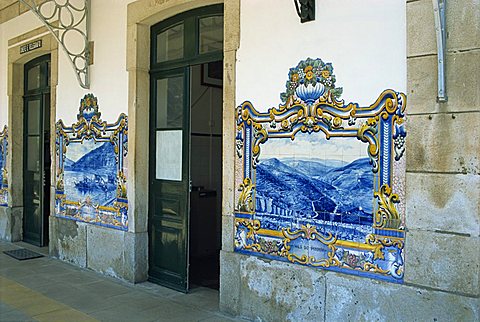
pixel 3 167
pixel 91 176
pixel 309 80
pixel 319 182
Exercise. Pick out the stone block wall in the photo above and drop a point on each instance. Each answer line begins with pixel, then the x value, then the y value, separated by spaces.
pixel 11 221
pixel 264 290
pixel 443 153
pixel 112 252
pixel 442 272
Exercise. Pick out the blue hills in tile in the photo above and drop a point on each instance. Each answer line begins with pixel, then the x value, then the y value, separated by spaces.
pixel 94 174
pixel 101 160
pixel 327 190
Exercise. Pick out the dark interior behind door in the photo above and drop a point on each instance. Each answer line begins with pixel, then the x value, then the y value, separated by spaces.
pixel 37 160
pixel 178 43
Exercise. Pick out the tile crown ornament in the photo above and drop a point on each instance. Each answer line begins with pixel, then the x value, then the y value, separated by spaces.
pixel 310 80
pixel 367 244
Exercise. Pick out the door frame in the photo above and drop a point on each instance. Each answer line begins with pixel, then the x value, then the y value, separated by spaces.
pixel 41 94
pixel 15 81
pixel 141 15
pixel 191 57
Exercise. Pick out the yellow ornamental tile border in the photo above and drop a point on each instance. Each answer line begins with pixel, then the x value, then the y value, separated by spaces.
pixel 311 104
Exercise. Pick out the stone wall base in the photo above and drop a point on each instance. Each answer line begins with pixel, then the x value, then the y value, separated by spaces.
pixel 11 224
pixel 109 251
pixel 264 290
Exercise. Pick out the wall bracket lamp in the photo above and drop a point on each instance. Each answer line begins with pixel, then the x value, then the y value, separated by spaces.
pixel 305 9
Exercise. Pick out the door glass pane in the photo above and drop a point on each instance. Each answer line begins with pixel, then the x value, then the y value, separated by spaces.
pixel 170 102
pixel 32 190
pixel 33 78
pixel 170 44
pixel 33 220
pixel 169 155
pixel 33 114
pixel 211 34
pixel 47 76
pixel 33 154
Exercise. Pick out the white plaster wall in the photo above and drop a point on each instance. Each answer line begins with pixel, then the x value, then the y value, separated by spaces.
pixel 109 79
pixel 9 30
pixel 364 40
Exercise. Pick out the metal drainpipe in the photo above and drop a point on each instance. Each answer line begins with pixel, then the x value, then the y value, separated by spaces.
pixel 439 15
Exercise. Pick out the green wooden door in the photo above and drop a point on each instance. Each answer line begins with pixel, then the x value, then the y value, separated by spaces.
pixel 170 179
pixel 37 161
pixel 191 38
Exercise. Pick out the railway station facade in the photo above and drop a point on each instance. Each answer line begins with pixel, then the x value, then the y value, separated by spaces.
pixel 311 160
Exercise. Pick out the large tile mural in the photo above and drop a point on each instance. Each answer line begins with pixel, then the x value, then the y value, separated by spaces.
pixel 3 167
pixel 91 176
pixel 320 182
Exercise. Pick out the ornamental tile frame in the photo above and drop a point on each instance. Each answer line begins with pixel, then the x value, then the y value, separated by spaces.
pixel 91 173
pixel 303 197
pixel 3 167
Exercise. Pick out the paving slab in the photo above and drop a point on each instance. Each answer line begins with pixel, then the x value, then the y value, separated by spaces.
pixel 46 289
pixel 15 316
pixel 199 298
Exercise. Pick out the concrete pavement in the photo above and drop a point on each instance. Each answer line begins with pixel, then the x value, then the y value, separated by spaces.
pixel 46 289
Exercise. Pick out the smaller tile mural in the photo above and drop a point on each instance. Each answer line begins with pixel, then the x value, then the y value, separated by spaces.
pixel 3 167
pixel 91 180
pixel 319 181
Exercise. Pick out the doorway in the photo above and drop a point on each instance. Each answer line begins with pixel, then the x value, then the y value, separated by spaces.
pixel 36 155
pixel 185 149
pixel 206 173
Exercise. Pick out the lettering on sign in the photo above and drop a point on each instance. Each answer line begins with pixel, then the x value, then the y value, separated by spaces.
pixel 31 46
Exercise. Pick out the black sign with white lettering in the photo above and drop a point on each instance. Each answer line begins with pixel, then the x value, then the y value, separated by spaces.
pixel 31 46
